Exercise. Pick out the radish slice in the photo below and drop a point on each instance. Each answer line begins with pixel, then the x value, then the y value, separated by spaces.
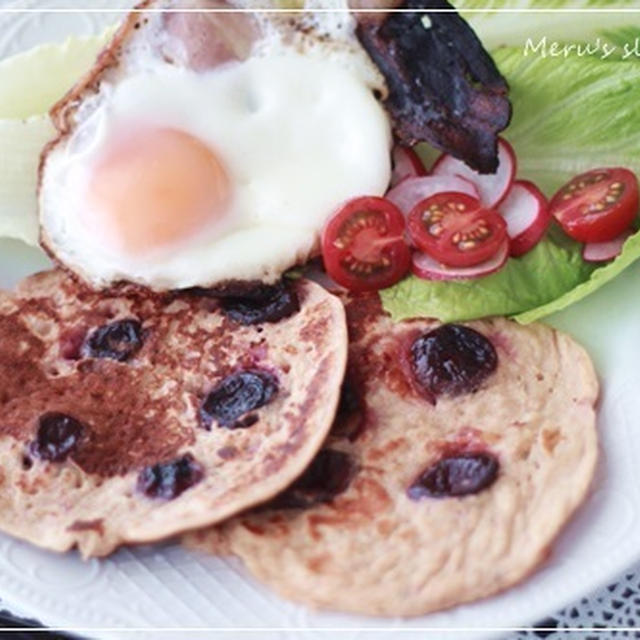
pixel 492 187
pixel 412 190
pixel 526 212
pixel 603 251
pixel 425 267
pixel 406 164
pixel 314 270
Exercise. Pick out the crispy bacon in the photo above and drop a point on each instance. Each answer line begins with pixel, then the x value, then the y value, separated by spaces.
pixel 444 88
pixel 204 40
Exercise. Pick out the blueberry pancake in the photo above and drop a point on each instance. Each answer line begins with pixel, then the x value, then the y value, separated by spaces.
pixel 132 417
pixel 457 455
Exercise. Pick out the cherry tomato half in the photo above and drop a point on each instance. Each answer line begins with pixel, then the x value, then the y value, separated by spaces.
pixel 455 229
pixel 598 205
pixel 363 244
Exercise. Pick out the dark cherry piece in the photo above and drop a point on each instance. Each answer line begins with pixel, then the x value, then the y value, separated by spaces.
pixel 328 475
pixel 349 420
pixel 456 476
pixel 264 304
pixel 168 480
pixel 350 400
pixel 71 342
pixel 229 289
pixel 118 340
pixel 237 395
pixel 452 359
pixel 246 421
pixel 58 435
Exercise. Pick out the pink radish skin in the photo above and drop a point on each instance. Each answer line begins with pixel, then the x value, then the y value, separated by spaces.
pixel 406 164
pixel 314 270
pixel 492 187
pixel 604 251
pixel 526 212
pixel 410 191
pixel 425 267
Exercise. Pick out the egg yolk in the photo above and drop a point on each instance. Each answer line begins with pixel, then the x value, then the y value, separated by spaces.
pixel 156 186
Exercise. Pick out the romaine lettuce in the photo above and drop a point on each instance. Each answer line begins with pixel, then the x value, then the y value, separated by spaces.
pixel 22 141
pixel 541 276
pixel 569 115
pixel 499 23
pixel 31 82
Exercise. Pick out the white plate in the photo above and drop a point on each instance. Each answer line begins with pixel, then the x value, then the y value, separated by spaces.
pixel 165 586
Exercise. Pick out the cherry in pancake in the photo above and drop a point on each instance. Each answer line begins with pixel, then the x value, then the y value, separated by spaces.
pixel 458 454
pixel 128 417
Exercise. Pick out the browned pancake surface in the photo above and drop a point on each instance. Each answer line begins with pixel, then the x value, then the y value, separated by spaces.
pixel 361 532
pixel 147 409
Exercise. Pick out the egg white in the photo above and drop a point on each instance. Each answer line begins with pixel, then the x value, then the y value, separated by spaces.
pixel 298 135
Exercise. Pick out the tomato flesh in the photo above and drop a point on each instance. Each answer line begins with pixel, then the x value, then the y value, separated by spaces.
pixel 597 206
pixel 363 244
pixel 456 229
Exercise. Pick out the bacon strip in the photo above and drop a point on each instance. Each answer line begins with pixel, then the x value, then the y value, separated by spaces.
pixel 205 40
pixel 444 88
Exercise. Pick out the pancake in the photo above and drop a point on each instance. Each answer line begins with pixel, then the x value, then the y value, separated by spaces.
pixel 129 418
pixel 457 456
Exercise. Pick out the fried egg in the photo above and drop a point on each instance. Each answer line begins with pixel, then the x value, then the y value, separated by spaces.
pixel 172 174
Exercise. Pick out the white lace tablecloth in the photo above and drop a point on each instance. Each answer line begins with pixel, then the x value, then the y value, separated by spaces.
pixel 613 610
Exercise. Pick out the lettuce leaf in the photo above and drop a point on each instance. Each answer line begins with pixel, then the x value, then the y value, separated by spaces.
pixel 31 82
pixel 22 142
pixel 500 28
pixel 602 275
pixel 569 115
pixel 553 268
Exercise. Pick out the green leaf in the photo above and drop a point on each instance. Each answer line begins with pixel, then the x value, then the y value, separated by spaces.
pixel 621 37
pixel 600 276
pixel 31 82
pixel 569 116
pixel 22 142
pixel 500 28
pixel 553 268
